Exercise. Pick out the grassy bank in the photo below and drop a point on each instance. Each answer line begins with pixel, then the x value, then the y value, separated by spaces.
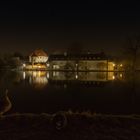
pixel 79 126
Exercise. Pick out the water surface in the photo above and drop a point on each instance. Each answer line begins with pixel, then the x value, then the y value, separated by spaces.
pixel 100 92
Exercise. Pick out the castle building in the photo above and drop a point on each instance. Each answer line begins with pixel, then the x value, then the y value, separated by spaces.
pixel 80 62
pixel 38 57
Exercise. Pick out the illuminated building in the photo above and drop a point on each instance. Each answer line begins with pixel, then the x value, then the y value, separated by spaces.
pixel 37 60
pixel 38 56
pixel 80 62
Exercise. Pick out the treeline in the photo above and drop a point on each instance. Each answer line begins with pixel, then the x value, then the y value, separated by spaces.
pixel 12 60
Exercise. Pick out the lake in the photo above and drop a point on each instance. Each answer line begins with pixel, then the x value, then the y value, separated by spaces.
pixel 49 92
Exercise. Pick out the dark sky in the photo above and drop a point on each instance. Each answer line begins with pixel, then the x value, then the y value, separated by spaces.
pixel 98 26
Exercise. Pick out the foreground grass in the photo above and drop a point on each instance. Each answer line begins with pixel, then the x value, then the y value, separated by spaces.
pixel 80 126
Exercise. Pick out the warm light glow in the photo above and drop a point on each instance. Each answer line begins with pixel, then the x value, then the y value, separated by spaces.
pixel 76 76
pixel 34 74
pixel 41 80
pixel 38 78
pixel 48 64
pixel 48 75
pixel 24 75
pixel 113 77
pixel 114 65
pixel 39 74
pixel 24 65
pixel 121 75
pixel 121 65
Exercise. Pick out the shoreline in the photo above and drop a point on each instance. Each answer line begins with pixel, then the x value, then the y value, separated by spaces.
pixel 50 70
pixel 84 126
pixel 73 70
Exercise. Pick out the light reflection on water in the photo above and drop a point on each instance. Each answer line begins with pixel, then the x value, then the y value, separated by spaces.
pixel 47 91
pixel 43 77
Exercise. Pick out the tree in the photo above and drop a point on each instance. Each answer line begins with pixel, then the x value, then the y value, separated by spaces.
pixel 132 48
pixel 18 54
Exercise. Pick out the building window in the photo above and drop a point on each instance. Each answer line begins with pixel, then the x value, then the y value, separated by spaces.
pixel 55 66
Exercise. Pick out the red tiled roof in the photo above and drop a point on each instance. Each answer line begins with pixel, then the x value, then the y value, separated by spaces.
pixel 38 52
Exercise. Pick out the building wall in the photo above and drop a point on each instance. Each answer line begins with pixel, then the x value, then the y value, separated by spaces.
pixel 111 66
pixel 82 65
pixel 35 67
pixel 92 65
pixel 38 59
pixel 62 65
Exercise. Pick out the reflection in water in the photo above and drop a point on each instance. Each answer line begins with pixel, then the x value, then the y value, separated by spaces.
pixel 76 76
pixel 24 75
pixel 121 75
pixel 36 78
pixel 41 78
pixel 103 92
pixel 84 76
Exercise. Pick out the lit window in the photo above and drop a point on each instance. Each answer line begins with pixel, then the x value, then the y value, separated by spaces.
pixel 114 65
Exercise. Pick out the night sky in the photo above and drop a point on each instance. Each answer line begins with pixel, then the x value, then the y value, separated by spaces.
pixel 98 26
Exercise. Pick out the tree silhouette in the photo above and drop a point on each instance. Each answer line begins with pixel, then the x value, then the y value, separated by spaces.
pixel 18 54
pixel 131 49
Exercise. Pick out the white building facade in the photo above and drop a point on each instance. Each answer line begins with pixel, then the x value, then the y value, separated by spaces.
pixel 82 62
pixel 38 56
